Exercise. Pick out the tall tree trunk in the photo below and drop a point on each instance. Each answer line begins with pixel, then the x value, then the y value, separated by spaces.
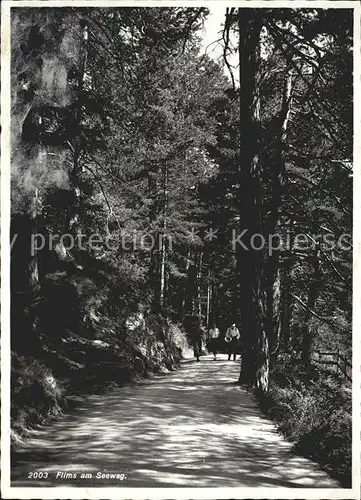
pixel 192 295
pixel 199 286
pixel 311 301
pixel 32 139
pixel 273 310
pixel 34 260
pixel 286 306
pixel 76 148
pixel 186 291
pixel 157 183
pixel 153 190
pixel 209 300
pixel 215 305
pixel 162 271
pixel 163 240
pixel 273 280
pixel 190 300
pixel 255 363
pixel 286 293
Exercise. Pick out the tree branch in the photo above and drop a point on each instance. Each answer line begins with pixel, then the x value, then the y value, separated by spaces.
pixel 189 28
pixel 278 36
pixel 324 320
pixel 226 31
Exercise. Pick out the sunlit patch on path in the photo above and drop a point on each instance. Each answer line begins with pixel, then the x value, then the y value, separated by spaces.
pixel 193 427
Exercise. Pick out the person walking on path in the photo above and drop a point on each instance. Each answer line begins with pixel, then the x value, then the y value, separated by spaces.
pixel 232 337
pixel 213 340
pixel 196 338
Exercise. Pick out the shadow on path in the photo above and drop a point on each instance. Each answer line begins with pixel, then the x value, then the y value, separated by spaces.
pixel 193 427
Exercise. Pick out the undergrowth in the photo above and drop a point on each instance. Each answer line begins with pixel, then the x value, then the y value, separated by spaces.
pixel 313 409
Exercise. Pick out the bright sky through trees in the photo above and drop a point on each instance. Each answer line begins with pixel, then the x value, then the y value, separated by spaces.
pixel 213 43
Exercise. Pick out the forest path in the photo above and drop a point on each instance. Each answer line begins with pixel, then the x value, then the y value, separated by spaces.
pixel 193 427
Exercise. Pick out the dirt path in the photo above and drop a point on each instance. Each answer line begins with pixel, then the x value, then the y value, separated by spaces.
pixel 193 427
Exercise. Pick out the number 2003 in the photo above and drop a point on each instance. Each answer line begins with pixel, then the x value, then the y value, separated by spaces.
pixel 38 475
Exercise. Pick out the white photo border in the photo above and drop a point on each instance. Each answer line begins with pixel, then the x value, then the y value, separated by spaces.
pixel 9 492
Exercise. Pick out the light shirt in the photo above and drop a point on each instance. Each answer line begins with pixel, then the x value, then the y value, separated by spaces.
pixel 213 333
pixel 233 332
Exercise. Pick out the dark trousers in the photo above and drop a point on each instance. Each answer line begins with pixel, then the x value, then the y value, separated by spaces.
pixel 213 346
pixel 197 348
pixel 232 348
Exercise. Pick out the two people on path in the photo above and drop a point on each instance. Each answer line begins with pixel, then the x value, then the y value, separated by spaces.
pixel 232 339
